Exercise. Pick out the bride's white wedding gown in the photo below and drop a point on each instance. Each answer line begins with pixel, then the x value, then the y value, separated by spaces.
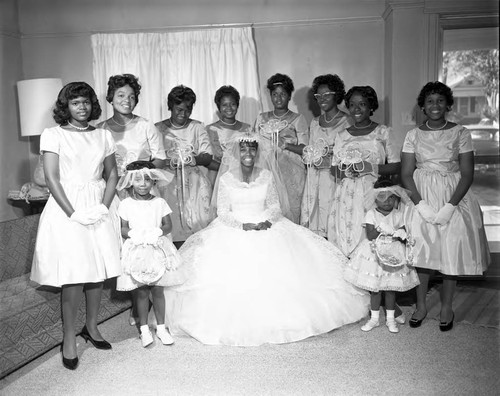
pixel 247 288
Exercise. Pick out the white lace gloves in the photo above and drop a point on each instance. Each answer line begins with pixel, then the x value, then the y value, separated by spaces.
pixel 427 213
pixel 145 236
pixel 444 214
pixel 430 216
pixel 90 215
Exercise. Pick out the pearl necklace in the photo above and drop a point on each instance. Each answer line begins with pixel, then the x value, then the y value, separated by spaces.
pixel 178 127
pixel 227 123
pixel 435 129
pixel 280 117
pixel 335 116
pixel 363 127
pixel 79 128
pixel 129 121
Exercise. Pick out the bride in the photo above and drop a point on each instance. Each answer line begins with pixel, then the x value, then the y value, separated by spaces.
pixel 257 277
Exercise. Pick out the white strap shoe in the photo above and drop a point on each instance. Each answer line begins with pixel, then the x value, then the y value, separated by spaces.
pixel 146 338
pixel 401 319
pixel 392 326
pixel 370 325
pixel 164 336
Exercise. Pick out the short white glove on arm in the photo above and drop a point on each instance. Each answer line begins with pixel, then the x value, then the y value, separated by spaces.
pixel 84 217
pixel 444 214
pixel 427 213
pixel 99 211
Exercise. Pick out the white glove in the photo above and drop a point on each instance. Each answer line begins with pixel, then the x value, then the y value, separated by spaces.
pixel 151 235
pixel 385 229
pixel 444 214
pixel 89 215
pixel 400 233
pixel 99 211
pixel 427 213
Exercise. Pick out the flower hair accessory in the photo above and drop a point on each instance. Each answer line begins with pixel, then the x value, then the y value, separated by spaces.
pixel 127 179
pixel 247 137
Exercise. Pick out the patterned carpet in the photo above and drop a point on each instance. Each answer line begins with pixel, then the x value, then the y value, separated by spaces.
pixel 473 305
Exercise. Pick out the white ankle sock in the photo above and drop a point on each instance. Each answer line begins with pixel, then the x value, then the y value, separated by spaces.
pixel 144 329
pixel 160 327
pixel 375 314
pixel 390 314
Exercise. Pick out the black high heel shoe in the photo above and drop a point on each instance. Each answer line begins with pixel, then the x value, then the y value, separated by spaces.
pixel 416 322
pixel 70 364
pixel 98 344
pixel 443 326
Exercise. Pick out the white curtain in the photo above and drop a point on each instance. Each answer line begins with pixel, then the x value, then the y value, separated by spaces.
pixel 202 60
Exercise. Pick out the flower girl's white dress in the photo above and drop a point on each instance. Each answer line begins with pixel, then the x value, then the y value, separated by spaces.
pixel 252 287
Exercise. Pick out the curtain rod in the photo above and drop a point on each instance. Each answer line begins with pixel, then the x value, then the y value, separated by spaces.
pixel 255 25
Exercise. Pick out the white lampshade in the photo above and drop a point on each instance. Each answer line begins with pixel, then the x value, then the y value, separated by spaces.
pixel 36 102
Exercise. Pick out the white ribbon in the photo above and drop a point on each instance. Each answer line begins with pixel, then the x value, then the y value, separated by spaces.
pixel 312 156
pixel 180 155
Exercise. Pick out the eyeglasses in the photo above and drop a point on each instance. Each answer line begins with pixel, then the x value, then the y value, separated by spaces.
pixel 325 95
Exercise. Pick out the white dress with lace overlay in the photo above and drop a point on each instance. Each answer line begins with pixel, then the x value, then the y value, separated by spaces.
pixel 247 288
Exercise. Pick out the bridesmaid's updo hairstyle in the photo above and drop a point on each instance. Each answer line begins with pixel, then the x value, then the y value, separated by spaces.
pixel 280 80
pixel 226 90
pixel 334 84
pixel 435 87
pixel 121 80
pixel 180 94
pixel 72 91
pixel 366 92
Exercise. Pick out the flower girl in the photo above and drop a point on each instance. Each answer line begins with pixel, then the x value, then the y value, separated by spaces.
pixel 149 258
pixel 381 262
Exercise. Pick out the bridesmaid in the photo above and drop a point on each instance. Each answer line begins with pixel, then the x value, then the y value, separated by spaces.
pixel 329 91
pixel 137 139
pixel 227 99
pixel 292 138
pixel 189 153
pixel 76 246
pixel 362 153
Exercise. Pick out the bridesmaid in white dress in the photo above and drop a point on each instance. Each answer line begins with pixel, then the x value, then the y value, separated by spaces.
pixel 447 222
pixel 227 100
pixel 329 92
pixel 257 277
pixel 293 136
pixel 360 155
pixel 137 139
pixel 77 247
pixel 189 153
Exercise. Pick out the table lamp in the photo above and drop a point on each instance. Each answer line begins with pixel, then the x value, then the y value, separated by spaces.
pixel 36 102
